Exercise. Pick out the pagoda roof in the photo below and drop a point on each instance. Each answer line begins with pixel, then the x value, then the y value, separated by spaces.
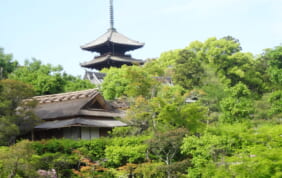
pixel 110 60
pixel 114 37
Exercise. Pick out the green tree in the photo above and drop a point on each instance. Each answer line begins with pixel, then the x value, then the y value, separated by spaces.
pixel 75 83
pixel 247 152
pixel 128 81
pixel 235 150
pixel 153 67
pixel 215 51
pixel 212 93
pixel 274 61
pixel 143 114
pixel 238 105
pixel 48 79
pixel 202 150
pixel 276 102
pixel 190 116
pixel 7 65
pixel 166 147
pixel 16 116
pixel 167 59
pixel 261 162
pixel 167 110
pixel 45 79
pixel 126 150
pixel 187 71
pixel 16 161
pixel 162 66
pixel 150 169
pixel 196 47
pixel 231 65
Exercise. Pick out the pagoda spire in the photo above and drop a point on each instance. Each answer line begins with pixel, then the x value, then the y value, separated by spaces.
pixel 112 47
pixel 111 15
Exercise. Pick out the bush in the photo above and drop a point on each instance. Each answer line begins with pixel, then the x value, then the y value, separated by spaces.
pixel 54 146
pixel 94 149
pixel 126 150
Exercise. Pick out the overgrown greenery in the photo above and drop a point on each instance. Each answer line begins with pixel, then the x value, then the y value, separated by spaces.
pixel 207 110
pixel 16 117
pixel 48 79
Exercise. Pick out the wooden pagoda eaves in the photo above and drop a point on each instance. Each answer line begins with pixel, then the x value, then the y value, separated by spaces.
pixel 107 61
pixel 112 47
pixel 112 41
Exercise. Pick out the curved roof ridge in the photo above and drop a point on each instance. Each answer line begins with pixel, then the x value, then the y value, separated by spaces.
pixel 66 96
pixel 99 62
pixel 114 37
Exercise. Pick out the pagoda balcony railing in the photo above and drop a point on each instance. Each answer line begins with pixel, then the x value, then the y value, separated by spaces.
pixel 114 54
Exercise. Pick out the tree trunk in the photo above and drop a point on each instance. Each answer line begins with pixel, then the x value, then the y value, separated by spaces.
pixel 168 168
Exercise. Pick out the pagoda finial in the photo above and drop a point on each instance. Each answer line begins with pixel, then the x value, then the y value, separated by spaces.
pixel 111 14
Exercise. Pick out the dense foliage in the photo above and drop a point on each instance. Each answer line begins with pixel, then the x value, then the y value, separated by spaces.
pixel 126 81
pixel 207 110
pixel 7 65
pixel 16 117
pixel 48 79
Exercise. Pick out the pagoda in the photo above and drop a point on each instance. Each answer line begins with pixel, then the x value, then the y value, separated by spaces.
pixel 112 47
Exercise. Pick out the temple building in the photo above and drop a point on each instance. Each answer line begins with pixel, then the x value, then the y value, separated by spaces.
pixel 76 115
pixel 112 48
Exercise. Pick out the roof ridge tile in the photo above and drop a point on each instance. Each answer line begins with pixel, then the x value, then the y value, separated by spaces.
pixel 44 99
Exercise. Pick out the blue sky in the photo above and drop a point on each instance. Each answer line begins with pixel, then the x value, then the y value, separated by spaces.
pixel 53 30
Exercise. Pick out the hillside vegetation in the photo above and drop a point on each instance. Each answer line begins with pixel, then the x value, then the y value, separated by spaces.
pixel 207 110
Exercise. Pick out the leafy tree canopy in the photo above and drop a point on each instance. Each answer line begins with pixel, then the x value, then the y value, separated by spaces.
pixel 7 65
pixel 187 71
pixel 48 79
pixel 16 161
pixel 45 79
pixel 274 60
pixel 237 106
pixel 219 117
pixel 128 81
pixel 166 146
pixel 15 115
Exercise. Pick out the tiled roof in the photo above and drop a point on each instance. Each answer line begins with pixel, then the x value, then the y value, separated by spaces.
pixel 66 96
pixel 71 104
pixel 103 61
pixel 114 37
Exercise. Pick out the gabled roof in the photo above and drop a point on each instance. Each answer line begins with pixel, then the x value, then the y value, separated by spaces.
pixel 110 60
pixel 44 99
pixel 112 36
pixel 88 103
pixel 106 123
